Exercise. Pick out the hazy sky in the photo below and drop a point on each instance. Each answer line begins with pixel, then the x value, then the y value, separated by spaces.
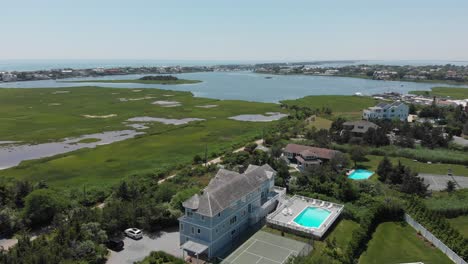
pixel 234 29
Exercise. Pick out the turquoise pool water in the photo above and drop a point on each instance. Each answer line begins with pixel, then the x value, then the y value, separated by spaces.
pixel 312 217
pixel 360 174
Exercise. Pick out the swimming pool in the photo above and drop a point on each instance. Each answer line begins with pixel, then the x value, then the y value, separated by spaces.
pixel 312 217
pixel 360 174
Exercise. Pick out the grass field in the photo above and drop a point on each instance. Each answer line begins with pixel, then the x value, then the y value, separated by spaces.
pixel 397 243
pixel 341 105
pixel 320 123
pixel 448 201
pixel 461 224
pixel 163 82
pixel 453 92
pixel 27 115
pixel 436 168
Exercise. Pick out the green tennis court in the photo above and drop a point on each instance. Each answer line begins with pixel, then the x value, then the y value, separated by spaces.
pixel 266 248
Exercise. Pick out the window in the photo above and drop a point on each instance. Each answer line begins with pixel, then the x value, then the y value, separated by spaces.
pixel 203 218
pixel 198 231
pixel 233 232
pixel 233 220
pixel 182 227
pixel 219 214
pixel 243 213
pixel 193 230
pixel 216 230
pixel 189 214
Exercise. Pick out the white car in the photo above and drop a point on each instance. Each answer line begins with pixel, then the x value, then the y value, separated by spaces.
pixel 134 233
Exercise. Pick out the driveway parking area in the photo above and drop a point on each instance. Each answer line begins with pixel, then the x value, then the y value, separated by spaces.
pixel 439 182
pixel 136 250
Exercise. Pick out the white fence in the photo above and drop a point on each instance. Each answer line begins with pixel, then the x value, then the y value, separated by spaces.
pixel 434 240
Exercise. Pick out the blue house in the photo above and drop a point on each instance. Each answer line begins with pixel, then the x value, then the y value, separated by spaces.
pixel 231 203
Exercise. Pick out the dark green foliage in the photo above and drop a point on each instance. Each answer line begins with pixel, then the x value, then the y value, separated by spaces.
pixel 160 257
pixel 384 169
pixel 450 186
pixel 401 176
pixel 376 137
pixel 358 154
pixel 159 78
pixel 439 227
pixel 42 205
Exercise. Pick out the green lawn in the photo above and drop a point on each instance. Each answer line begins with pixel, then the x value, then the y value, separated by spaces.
pixel 163 82
pixel 341 105
pixel 399 243
pixel 444 201
pixel 453 92
pixel 27 115
pixel 436 168
pixel 461 224
pixel 320 123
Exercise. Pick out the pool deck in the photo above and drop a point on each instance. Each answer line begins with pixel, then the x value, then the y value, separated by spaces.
pixel 285 214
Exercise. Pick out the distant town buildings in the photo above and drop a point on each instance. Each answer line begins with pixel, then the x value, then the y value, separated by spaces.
pixel 396 110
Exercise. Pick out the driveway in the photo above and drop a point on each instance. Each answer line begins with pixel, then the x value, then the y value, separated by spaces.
pixel 460 141
pixel 136 250
pixel 439 182
pixel 7 243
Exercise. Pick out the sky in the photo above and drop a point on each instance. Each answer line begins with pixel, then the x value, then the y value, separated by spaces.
pixel 240 30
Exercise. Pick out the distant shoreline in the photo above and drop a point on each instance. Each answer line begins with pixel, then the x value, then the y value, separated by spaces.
pixel 162 82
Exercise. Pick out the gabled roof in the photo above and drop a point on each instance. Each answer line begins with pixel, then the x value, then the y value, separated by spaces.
pixel 321 153
pixel 228 187
pixel 360 126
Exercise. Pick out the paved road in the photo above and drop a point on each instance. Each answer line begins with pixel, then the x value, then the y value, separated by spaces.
pixel 439 182
pixel 136 250
pixel 460 141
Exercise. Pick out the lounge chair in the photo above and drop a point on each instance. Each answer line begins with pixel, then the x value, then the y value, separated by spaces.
pixel 290 211
pixel 330 206
pixel 322 204
pixel 285 211
pixel 313 201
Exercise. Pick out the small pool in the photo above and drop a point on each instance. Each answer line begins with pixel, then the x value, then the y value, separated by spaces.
pixel 360 174
pixel 312 217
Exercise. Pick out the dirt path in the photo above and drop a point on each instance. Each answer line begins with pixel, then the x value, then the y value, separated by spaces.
pixel 213 161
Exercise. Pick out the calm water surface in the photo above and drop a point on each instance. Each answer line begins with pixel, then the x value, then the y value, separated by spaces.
pixel 251 86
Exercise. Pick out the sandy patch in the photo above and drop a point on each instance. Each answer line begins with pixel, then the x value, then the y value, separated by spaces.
pixel 54 104
pixel 167 121
pixel 168 95
pixel 99 116
pixel 167 103
pixel 136 91
pixel 60 92
pixel 206 106
pixel 269 117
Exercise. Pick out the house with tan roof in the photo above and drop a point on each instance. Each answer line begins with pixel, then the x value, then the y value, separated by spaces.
pixel 308 157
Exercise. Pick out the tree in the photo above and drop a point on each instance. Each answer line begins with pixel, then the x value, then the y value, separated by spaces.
pixel 197 159
pixel 465 128
pixel 339 161
pixel 42 205
pixel 384 169
pixel 412 184
pixel 412 109
pixel 450 186
pixel 358 154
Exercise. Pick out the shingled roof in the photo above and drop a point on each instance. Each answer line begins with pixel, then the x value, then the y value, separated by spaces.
pixel 360 126
pixel 228 187
pixel 321 153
